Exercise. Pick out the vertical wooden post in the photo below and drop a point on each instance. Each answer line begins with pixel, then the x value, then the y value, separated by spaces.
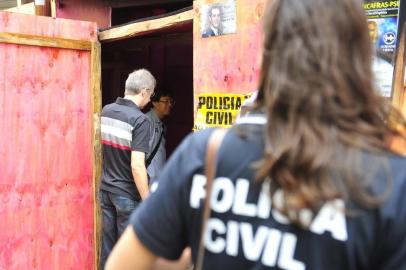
pixel 96 104
pixel 53 8
pixel 399 84
pixel 399 88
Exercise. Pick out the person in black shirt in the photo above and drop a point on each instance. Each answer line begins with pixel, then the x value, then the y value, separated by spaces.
pixel 162 104
pixel 306 180
pixel 125 135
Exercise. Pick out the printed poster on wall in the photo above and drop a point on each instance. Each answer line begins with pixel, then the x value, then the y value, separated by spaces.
pixel 218 19
pixel 382 25
pixel 218 110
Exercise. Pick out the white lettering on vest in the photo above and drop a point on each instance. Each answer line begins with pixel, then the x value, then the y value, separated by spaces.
pixel 271 248
pixel 225 187
pixel 232 240
pixel 253 244
pixel 215 245
pixel 331 218
pixel 197 191
pixel 241 206
pixel 286 259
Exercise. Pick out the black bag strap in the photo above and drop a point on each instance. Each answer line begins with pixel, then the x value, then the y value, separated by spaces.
pixel 213 145
pixel 149 159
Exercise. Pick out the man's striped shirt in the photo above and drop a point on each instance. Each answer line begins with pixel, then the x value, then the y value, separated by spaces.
pixel 124 128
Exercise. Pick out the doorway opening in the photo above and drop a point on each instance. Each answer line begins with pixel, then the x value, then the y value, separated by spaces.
pixel 168 54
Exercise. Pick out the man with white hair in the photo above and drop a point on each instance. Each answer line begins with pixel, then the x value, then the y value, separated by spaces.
pixel 125 136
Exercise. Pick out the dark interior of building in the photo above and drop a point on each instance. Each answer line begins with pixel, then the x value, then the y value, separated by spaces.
pixel 168 54
pixel 123 12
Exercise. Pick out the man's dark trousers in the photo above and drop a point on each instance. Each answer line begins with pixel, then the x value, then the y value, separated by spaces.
pixel 116 210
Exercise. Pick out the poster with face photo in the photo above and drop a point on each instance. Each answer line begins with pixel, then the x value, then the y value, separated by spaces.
pixel 383 26
pixel 218 19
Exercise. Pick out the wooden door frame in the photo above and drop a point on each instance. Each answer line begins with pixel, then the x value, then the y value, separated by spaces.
pixel 399 78
pixel 140 28
pixel 95 103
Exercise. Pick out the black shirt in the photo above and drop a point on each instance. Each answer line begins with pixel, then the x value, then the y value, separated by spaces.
pixel 124 129
pixel 244 232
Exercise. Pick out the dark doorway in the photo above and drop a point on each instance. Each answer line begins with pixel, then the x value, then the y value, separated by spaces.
pixel 168 54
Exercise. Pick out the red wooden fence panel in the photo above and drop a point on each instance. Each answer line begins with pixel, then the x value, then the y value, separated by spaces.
pixel 229 63
pixel 46 188
pixel 225 67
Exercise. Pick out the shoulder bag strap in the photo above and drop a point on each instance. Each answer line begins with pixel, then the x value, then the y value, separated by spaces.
pixel 213 144
pixel 149 159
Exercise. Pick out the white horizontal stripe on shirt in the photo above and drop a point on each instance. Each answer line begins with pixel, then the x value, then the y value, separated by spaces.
pixel 118 132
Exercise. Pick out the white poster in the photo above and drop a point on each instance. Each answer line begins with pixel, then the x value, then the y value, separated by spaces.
pixel 218 19
pixel 382 25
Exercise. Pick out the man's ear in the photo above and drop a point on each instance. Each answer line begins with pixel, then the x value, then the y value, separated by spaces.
pixel 143 92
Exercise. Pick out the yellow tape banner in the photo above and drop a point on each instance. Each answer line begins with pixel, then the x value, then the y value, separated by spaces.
pixel 217 110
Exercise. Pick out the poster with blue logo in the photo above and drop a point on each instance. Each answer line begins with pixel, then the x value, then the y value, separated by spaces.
pixel 383 26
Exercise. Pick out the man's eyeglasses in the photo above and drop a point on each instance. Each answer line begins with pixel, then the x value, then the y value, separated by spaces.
pixel 167 101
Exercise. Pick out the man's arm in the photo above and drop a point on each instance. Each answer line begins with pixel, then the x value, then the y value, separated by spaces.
pixel 140 173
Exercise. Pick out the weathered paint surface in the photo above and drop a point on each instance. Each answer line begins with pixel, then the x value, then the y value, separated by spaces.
pixel 47 27
pixel 46 196
pixel 229 63
pixel 90 10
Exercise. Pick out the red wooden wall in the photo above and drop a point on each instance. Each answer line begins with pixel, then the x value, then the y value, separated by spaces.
pixel 89 10
pixel 229 63
pixel 46 185
pixel 226 67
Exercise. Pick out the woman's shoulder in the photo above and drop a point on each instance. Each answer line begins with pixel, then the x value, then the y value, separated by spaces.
pixel 388 174
pixel 386 165
pixel 398 171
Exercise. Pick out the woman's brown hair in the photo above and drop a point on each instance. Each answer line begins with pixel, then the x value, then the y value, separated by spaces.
pixel 317 90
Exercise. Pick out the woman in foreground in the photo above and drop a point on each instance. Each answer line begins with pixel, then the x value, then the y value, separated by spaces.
pixel 306 180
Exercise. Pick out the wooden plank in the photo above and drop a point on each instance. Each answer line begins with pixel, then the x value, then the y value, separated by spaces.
pixel 399 97
pixel 235 65
pixel 86 10
pixel 42 7
pixel 139 28
pixel 52 177
pixel 30 40
pixel 53 8
pixel 97 149
pixel 398 144
pixel 53 214
pixel 47 27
